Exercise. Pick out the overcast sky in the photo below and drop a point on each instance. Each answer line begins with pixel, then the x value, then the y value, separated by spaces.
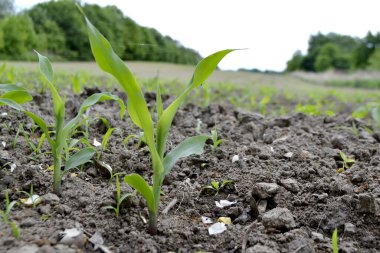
pixel 272 30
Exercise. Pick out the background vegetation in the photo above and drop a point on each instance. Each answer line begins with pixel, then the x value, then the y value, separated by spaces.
pixel 338 52
pixel 56 28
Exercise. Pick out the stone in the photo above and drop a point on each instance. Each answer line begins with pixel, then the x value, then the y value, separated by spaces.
pixel 264 190
pixel 349 228
pixel 278 218
pixel 366 203
pixel 290 184
pixel 317 237
pixel 50 198
pixel 45 209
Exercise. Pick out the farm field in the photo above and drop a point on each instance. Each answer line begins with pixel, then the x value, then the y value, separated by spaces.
pixel 280 160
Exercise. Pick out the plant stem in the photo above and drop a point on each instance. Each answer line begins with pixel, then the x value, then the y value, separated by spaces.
pixel 152 224
pixel 57 175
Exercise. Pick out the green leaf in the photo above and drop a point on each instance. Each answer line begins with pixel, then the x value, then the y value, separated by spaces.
pixel 159 106
pixel 11 103
pixel 203 70
pixel 334 241
pixel 79 158
pixel 45 67
pixel 15 230
pixel 138 182
pixel 191 146
pixel 343 156
pixel 109 62
pixel 106 138
pixel 18 96
pixel 215 185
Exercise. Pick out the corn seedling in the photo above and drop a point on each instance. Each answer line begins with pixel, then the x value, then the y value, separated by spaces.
pixel 263 104
pixel 155 137
pixel 215 141
pixel 62 131
pixel 334 241
pixel 347 162
pixel 119 198
pixel 215 187
pixel 5 215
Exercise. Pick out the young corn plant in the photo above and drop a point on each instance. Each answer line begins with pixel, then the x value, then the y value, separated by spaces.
pixel 62 132
pixel 5 215
pixel 155 138
pixel 119 198
pixel 334 241
pixel 215 141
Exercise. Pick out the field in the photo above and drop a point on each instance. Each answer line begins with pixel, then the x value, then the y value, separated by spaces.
pixel 300 157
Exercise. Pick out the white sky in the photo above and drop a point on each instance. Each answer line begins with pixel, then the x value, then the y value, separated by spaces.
pixel 272 30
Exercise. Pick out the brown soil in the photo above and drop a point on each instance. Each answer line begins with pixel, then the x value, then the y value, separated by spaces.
pixel 289 196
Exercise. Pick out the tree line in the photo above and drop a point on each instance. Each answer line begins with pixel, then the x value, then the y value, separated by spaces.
pixel 338 52
pixel 57 29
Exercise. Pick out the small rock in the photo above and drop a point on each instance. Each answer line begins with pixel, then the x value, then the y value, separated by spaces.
pixel 50 198
pixel 290 185
pixel 92 171
pixel 288 155
pixel 366 203
pixel 349 228
pixel 278 218
pixel 45 209
pixel 357 178
pixel 317 237
pixel 28 222
pixel 264 190
pixel 258 248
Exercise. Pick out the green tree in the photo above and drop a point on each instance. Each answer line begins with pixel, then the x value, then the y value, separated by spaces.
pixel 296 62
pixel 374 60
pixel 326 57
pixel 20 36
pixel 6 7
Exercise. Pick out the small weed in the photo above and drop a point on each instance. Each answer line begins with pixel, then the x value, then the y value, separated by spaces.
pixel 215 187
pixel 347 162
pixel 5 215
pixel 215 141
pixel 119 198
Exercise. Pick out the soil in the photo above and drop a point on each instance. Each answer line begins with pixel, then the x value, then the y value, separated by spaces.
pixel 287 193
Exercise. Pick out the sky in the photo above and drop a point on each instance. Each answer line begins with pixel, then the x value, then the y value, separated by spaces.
pixel 270 30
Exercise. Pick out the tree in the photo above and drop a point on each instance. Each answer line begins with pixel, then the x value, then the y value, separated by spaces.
pixel 6 7
pixel 20 36
pixel 374 60
pixel 296 62
pixel 326 57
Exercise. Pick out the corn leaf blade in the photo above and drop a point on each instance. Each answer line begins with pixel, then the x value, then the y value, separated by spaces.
pixel 203 70
pixel 141 186
pixel 109 62
pixel 79 158
pixel 190 146
pixel 335 241
pixel 11 103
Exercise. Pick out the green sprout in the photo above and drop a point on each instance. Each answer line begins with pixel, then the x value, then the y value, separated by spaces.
pixel 215 187
pixel 62 132
pixel 334 241
pixel 347 162
pixel 119 198
pixel 5 215
pixel 154 137
pixel 215 141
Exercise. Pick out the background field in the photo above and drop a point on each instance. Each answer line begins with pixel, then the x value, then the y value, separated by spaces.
pixel 325 93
